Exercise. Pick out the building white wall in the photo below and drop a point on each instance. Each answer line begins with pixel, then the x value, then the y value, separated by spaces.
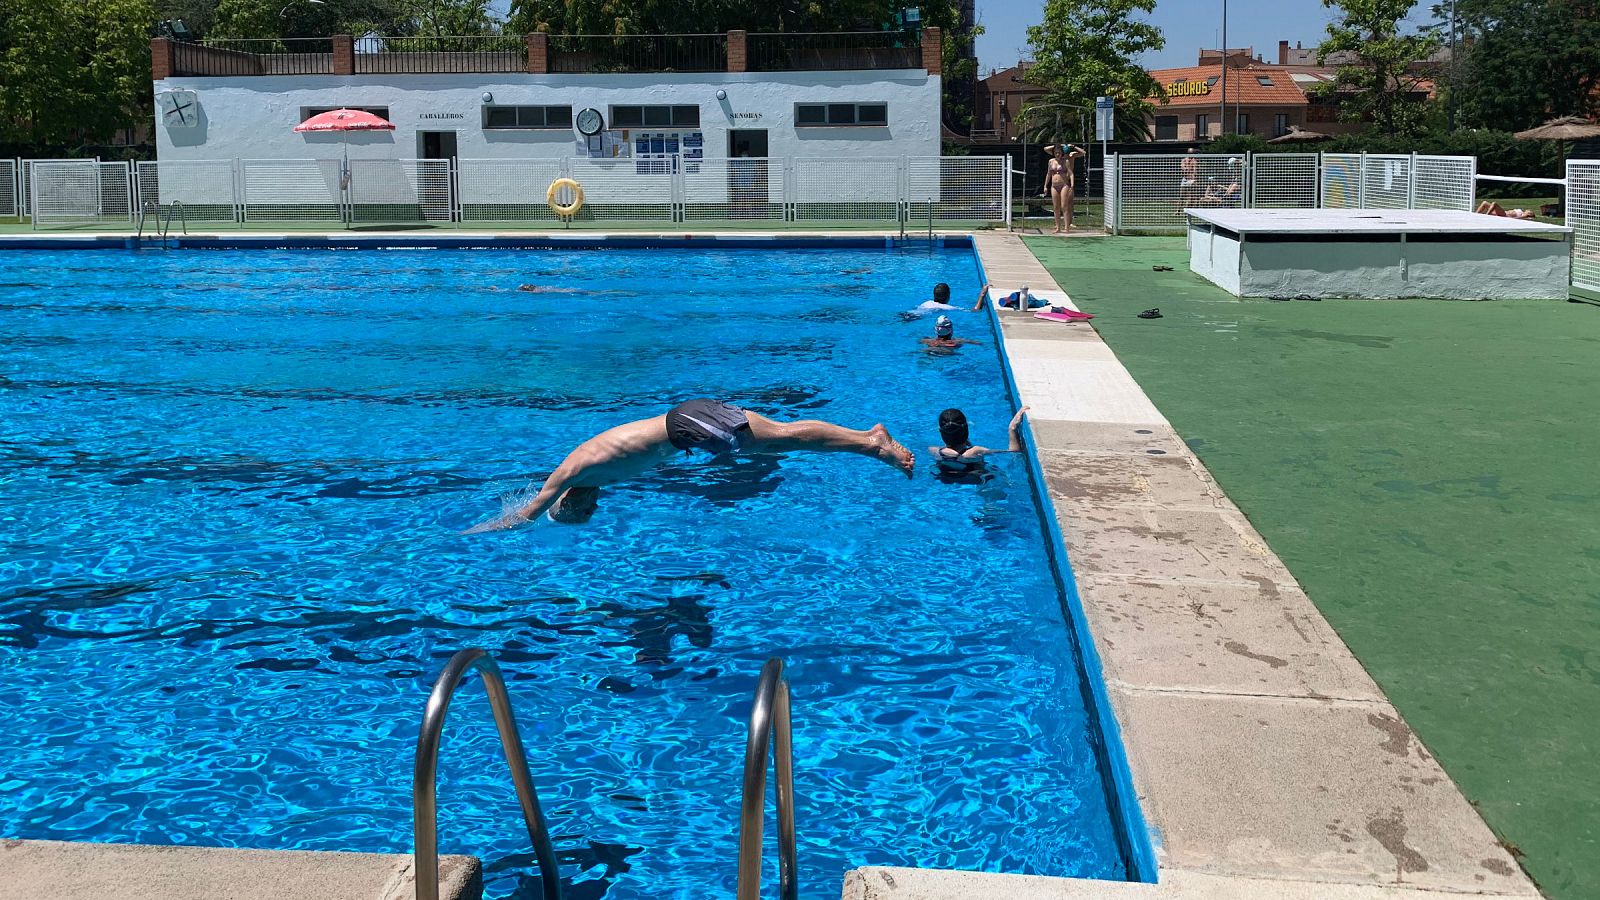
pixel 253 117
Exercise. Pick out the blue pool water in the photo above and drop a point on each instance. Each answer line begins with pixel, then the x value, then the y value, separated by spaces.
pixel 231 488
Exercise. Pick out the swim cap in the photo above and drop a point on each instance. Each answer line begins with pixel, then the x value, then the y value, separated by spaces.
pixel 943 327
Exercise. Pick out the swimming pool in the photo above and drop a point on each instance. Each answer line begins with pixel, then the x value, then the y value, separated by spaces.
pixel 232 486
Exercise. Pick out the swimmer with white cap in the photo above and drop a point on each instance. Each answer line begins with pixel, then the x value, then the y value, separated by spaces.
pixel 944 340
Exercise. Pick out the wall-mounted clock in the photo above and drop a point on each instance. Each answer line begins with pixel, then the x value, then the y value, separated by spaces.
pixel 180 109
pixel 590 122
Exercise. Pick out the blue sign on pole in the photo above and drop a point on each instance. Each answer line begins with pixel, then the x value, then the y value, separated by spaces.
pixel 1104 109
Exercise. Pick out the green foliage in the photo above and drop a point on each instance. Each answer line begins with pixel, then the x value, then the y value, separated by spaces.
pixel 302 19
pixel 1525 61
pixel 1085 49
pixel 72 72
pixel 702 16
pixel 1378 87
pixel 197 15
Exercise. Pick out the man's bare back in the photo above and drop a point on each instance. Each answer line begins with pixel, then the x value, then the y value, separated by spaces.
pixel 627 451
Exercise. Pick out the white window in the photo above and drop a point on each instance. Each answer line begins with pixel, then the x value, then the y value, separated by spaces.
pixel 655 117
pixel 808 115
pixel 527 117
pixel 307 112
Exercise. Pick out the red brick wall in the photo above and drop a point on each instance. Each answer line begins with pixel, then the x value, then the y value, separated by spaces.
pixel 932 50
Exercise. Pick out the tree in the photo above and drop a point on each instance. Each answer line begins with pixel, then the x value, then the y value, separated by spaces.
pixel 72 72
pixel 1525 61
pixel 1381 80
pixel 609 17
pixel 1086 49
pixel 303 19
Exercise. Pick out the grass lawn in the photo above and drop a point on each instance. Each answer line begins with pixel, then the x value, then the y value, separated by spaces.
pixel 1430 472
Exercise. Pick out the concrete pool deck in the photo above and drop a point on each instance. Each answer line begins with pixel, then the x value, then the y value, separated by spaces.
pixel 1267 762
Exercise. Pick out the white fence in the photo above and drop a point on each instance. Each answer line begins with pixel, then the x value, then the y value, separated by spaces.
pixel 1148 192
pixel 904 192
pixel 78 192
pixel 1583 216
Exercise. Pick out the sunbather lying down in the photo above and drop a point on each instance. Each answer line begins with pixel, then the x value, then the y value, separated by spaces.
pixel 1491 208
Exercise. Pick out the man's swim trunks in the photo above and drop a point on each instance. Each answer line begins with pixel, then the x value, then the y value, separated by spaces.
pixel 709 425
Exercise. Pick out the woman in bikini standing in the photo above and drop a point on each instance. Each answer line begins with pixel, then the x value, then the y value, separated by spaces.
pixel 1058 180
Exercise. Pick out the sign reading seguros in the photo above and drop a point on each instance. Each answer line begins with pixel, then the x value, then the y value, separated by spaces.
pixel 1194 87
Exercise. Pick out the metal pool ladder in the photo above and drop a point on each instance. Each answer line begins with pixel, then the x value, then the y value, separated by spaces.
pixel 769 718
pixel 163 220
pixel 769 726
pixel 424 784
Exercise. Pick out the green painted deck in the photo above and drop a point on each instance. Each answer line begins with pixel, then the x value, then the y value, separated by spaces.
pixel 1430 473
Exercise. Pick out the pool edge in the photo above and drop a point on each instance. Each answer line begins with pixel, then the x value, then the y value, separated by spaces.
pixel 1133 832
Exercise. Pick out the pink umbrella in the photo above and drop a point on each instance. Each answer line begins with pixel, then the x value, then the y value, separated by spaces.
pixel 345 120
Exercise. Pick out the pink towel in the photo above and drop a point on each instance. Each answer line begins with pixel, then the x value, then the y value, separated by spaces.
pixel 1070 315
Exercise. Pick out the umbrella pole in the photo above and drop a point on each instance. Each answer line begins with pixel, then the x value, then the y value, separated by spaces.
pixel 345 212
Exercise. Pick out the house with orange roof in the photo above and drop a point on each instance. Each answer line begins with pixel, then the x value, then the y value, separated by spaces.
pixel 1262 99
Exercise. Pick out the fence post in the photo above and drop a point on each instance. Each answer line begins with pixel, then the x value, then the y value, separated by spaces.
pixel 131 176
pixel 1317 197
pixel 1361 181
pixel 903 204
pixel 1118 216
pixel 1248 197
pixel 1411 182
pixel 1005 176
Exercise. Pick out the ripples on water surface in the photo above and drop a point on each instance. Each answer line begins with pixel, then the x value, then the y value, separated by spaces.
pixel 231 484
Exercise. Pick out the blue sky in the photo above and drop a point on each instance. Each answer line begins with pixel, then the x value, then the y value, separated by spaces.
pixel 1187 24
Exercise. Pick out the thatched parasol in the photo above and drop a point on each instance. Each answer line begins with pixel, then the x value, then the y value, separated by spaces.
pixel 1566 128
pixel 1298 135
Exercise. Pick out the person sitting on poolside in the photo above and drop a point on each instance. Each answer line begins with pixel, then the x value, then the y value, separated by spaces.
pixel 1491 208
pixel 959 456
pixel 944 340
pixel 1226 191
pixel 571 493
pixel 1012 300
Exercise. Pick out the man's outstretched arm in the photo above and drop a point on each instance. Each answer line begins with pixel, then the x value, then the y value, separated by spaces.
pixel 548 494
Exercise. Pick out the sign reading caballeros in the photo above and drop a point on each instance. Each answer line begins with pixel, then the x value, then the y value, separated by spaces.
pixel 1191 88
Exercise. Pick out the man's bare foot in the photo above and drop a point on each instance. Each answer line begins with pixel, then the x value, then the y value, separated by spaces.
pixel 890 451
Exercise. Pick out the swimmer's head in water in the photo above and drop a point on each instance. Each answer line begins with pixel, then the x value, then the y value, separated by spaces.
pixel 576 506
pixel 944 327
pixel 953 428
pixel 941 293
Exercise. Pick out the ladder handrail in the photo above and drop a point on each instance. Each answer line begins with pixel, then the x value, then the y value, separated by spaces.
pixel 144 209
pixel 769 718
pixel 424 785
pixel 175 206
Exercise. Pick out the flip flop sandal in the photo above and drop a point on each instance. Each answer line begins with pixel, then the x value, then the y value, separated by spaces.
pixel 1150 314
pixel 1161 268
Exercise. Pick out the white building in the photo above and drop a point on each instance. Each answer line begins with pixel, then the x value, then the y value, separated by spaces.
pixel 215 102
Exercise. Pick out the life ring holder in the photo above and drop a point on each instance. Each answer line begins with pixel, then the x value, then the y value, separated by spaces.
pixel 564 210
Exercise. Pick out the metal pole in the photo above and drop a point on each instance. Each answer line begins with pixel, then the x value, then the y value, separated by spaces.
pixel 1224 128
pixel 1450 108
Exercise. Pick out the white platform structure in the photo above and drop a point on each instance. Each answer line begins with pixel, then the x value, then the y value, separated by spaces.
pixel 1379 254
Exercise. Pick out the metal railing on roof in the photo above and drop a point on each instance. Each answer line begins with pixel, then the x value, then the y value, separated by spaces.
pixel 440 55
pixel 833 51
pixel 583 53
pixel 277 56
